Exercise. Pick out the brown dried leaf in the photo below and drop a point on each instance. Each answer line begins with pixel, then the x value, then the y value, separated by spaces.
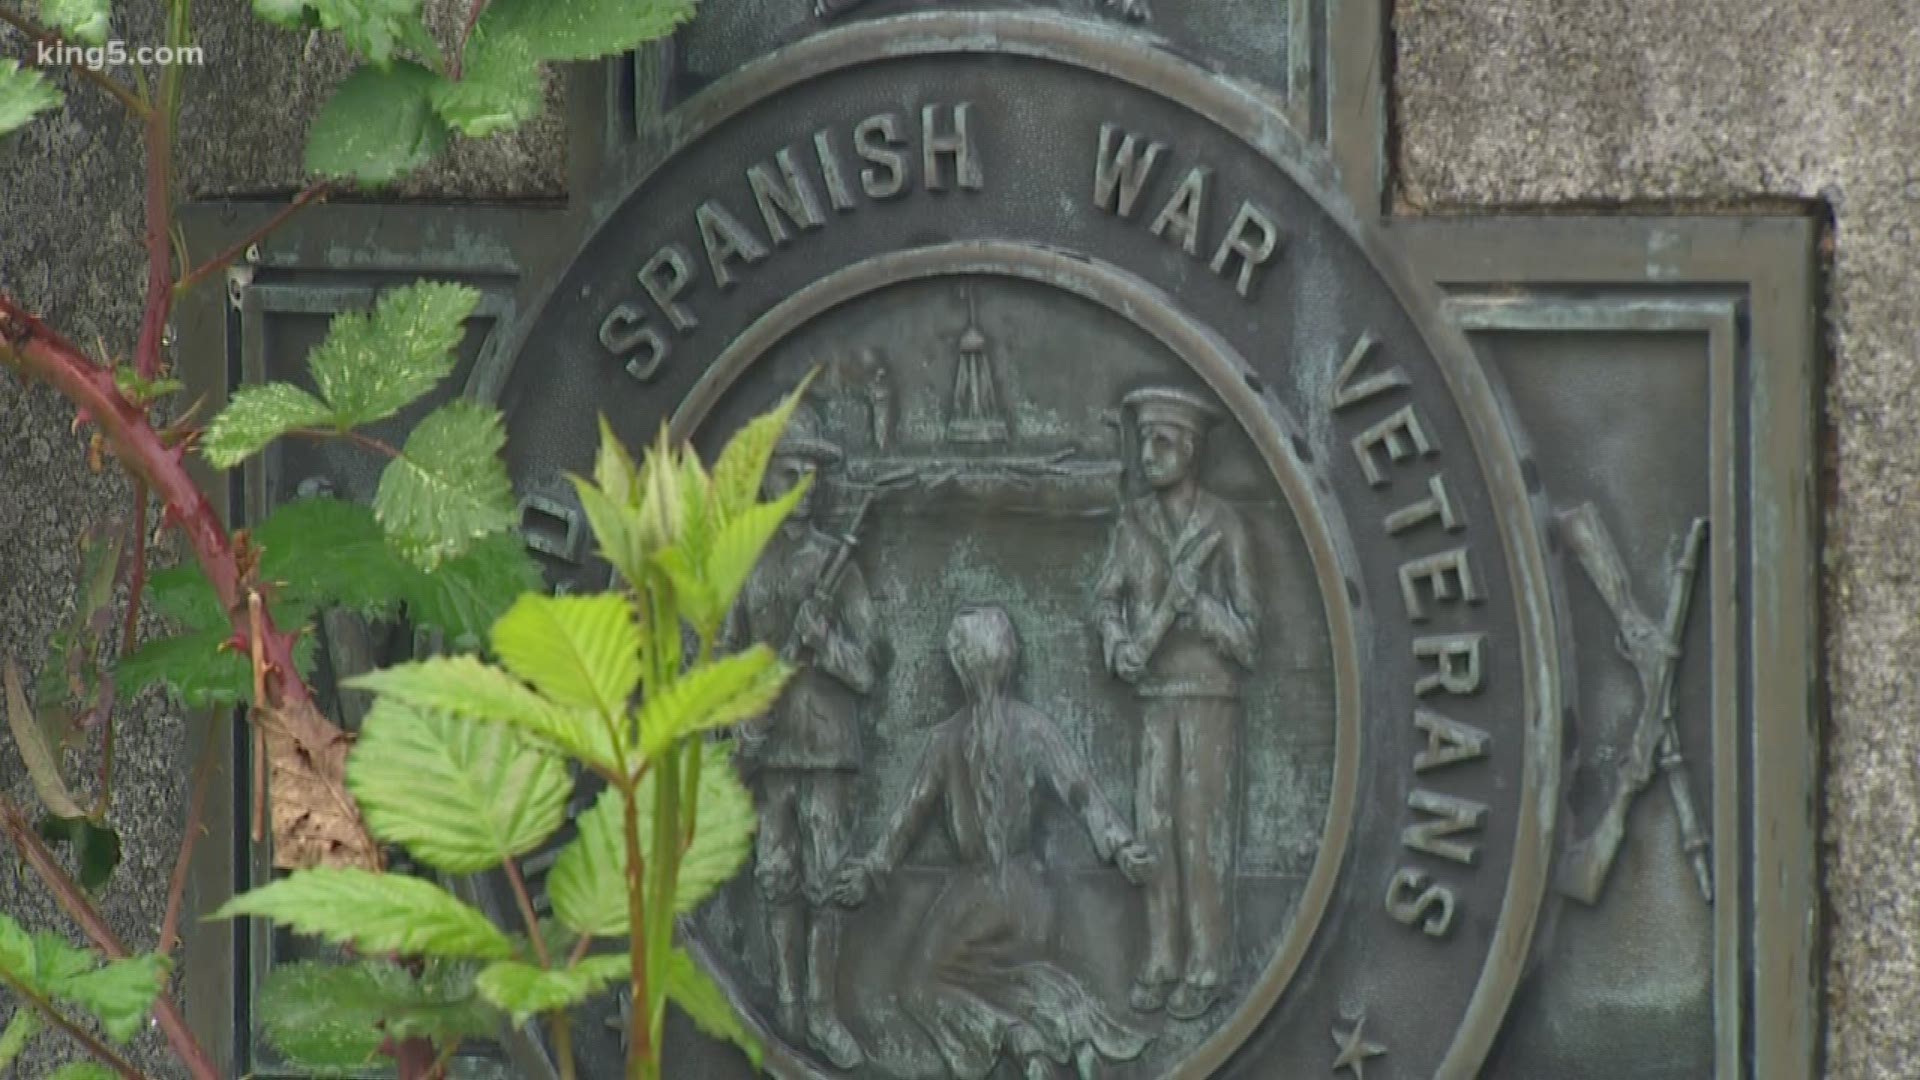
pixel 315 821
pixel 43 762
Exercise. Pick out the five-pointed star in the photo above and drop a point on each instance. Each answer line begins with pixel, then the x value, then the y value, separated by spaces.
pixel 1355 1049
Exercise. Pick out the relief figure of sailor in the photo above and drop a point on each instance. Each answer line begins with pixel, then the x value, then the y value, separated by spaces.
pixel 804 756
pixel 1176 609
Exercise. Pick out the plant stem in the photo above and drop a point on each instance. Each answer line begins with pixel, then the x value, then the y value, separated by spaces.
pixel 367 442
pixel 196 809
pixel 81 1035
pixel 129 636
pixel 639 1026
pixel 71 898
pixel 563 1043
pixel 39 33
pixel 580 947
pixel 525 900
pixel 666 865
pixel 315 193
pixel 466 32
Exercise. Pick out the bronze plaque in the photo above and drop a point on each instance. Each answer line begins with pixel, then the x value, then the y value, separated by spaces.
pixel 1180 688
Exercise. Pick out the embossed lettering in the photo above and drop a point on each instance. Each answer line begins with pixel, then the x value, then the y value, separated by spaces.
pixel 1185 210
pixel 624 330
pixel 1449 741
pixel 725 240
pixel 1401 434
pixel 875 140
pixel 665 277
pixel 839 192
pixel 1414 900
pixel 1254 238
pixel 1121 171
pixel 1456 663
pixel 957 144
pixel 1347 392
pixel 1436 504
pixel 1449 815
pixel 1434 570
pixel 789 198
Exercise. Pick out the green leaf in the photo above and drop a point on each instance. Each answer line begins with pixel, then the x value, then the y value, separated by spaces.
pixel 718 693
pixel 525 990
pixel 585 29
pixel 616 529
pixel 577 650
pixel 741 542
pixel 41 759
pixel 464 597
pixel 373 365
pixel 376 913
pixel 449 487
pixel 742 465
pixel 96 847
pixel 707 1005
pixel 499 88
pixel 331 1019
pixel 287 14
pixel 55 960
pixel 327 551
pixel 20 1031
pixel 466 687
pixel 17 952
pixel 461 795
pixel 120 995
pixel 199 669
pixel 82 1070
pixel 82 20
pixel 183 594
pixel 588 884
pixel 257 415
pixel 614 470
pixel 375 28
pixel 378 126
pixel 24 95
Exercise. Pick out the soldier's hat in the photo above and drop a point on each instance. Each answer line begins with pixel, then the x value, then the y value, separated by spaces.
pixel 1168 405
pixel 805 437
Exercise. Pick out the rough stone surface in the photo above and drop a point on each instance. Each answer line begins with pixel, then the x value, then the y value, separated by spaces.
pixel 71 248
pixel 1708 104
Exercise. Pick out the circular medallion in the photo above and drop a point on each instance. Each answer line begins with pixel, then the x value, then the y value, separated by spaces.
pixel 1168 699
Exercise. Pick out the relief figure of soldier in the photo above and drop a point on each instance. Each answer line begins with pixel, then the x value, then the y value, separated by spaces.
pixel 979 982
pixel 803 757
pixel 1176 611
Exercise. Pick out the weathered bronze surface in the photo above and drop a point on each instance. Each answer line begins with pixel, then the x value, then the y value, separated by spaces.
pixel 1214 663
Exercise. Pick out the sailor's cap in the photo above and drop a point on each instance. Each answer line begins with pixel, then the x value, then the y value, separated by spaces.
pixel 1167 405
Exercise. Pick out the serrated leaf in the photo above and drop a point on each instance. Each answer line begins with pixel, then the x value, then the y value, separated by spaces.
pixel 461 795
pixel 707 1006
pixel 16 951
pixel 464 686
pixel 585 29
pixel 42 761
pixel 372 365
pixel 465 596
pixel 616 530
pixel 577 650
pixel 742 465
pixel 449 487
pixel 331 1019
pixel 257 415
pixel 95 847
pixel 743 539
pixel 82 1070
pixel 378 126
pixel 288 14
pixel 20 1031
pixel 183 594
pixel 376 913
pixel 327 551
pixel 715 694
pixel 198 669
pixel 588 881
pixel 119 995
pixel 524 990
pixel 614 470
pixel 376 28
pixel 499 87
pixel 81 20
pixel 24 95
pixel 55 959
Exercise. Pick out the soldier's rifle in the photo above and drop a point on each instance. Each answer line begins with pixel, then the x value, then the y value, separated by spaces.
pixel 845 541
pixel 1654 653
